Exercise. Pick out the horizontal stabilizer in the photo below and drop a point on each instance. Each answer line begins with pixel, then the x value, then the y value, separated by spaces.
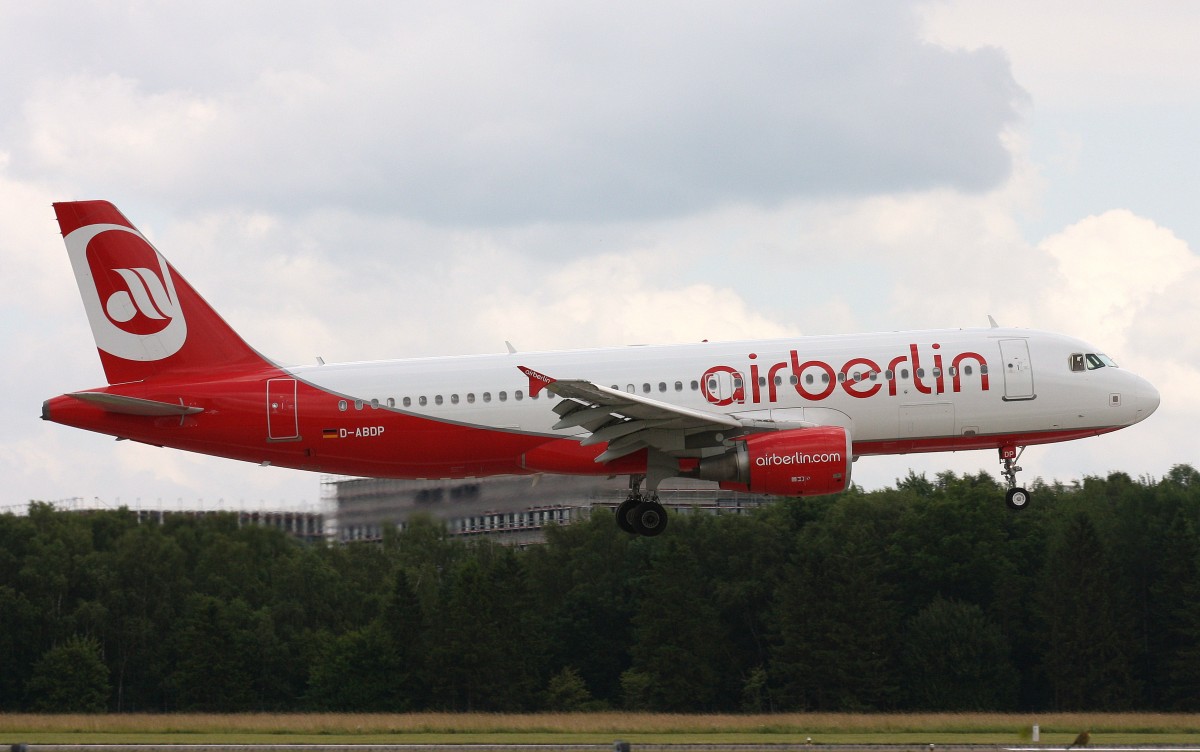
pixel 115 403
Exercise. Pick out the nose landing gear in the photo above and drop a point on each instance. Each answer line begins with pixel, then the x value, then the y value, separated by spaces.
pixel 1017 497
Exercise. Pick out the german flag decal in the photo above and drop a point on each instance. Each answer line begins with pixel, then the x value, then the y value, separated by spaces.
pixel 329 433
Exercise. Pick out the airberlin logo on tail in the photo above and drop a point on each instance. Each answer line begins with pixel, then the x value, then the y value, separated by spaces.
pixel 128 293
pixel 143 294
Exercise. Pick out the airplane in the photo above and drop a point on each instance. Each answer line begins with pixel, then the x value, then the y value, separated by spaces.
pixel 783 417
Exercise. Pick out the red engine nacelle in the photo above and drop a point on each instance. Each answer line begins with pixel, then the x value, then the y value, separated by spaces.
pixel 799 462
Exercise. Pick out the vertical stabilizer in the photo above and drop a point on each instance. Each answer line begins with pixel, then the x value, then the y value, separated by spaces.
pixel 147 320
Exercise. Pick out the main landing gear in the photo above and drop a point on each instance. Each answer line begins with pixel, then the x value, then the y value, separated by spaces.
pixel 641 515
pixel 1016 498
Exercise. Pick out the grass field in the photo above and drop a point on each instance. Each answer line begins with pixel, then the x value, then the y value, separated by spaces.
pixel 601 728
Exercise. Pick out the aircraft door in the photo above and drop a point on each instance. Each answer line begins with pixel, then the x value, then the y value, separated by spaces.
pixel 1018 371
pixel 283 421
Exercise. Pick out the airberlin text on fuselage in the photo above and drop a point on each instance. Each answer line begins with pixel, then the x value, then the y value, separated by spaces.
pixel 859 377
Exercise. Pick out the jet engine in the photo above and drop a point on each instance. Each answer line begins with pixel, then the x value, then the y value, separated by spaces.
pixel 797 462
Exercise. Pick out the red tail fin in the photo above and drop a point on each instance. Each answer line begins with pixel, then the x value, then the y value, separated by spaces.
pixel 146 318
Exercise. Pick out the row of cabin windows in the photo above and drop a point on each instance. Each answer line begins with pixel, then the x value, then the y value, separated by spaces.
pixel 647 388
pixel 857 376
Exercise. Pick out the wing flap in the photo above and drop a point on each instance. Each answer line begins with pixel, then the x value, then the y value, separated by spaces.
pixel 625 422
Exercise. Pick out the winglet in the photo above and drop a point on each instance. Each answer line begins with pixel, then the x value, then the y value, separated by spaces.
pixel 537 381
pixel 992 321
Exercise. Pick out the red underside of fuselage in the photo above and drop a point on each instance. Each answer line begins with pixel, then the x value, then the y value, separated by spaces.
pixel 378 442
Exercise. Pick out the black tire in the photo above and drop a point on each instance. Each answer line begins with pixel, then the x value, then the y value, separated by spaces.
pixel 1017 499
pixel 649 518
pixel 625 515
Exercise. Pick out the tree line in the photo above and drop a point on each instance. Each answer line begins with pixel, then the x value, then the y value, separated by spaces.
pixel 927 596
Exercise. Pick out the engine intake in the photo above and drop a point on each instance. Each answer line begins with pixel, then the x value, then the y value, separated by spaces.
pixel 799 462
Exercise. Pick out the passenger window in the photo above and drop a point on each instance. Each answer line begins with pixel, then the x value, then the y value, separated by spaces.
pixel 967 370
pixel 808 378
pixel 679 386
pixel 487 396
pixel 422 401
pixel 470 398
pixel 646 388
pixel 342 405
pixel 904 373
pixel 358 404
pixel 391 401
pixel 375 403
pixel 889 374
pixel 794 379
pixel 737 382
pixel 695 385
pixel 453 399
pixel 662 386
pixel 518 395
pixel 438 399
pixel 408 401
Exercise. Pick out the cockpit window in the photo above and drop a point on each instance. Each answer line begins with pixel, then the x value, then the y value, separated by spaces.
pixel 1099 360
pixel 1076 361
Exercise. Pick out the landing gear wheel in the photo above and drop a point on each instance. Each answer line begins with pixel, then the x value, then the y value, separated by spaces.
pixel 649 518
pixel 625 514
pixel 1016 498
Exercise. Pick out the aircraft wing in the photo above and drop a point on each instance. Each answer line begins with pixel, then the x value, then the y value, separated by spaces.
pixel 626 422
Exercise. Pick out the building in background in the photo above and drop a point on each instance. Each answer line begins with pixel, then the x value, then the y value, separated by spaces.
pixel 514 509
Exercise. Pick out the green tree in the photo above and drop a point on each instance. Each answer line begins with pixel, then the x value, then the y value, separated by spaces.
pixel 1089 641
pixel 836 616
pixel 144 584
pixel 227 657
pixel 70 678
pixel 357 671
pixel 678 634
pixel 955 659
pixel 567 691
pixel 483 645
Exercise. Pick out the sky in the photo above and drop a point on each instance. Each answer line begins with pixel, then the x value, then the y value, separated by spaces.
pixel 381 180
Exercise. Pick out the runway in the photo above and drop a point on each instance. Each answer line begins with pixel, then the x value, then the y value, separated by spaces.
pixel 613 747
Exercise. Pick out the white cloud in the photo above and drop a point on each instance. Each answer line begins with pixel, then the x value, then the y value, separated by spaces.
pixel 496 114
pixel 1081 53
pixel 1113 268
